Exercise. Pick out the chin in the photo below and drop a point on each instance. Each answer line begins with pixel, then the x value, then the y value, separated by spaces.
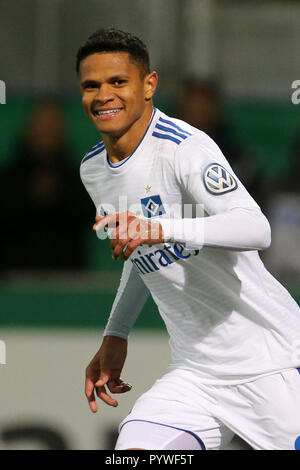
pixel 110 130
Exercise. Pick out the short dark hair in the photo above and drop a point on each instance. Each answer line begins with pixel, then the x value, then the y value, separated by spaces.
pixel 115 40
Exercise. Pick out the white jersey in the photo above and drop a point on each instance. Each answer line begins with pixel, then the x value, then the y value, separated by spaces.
pixel 228 318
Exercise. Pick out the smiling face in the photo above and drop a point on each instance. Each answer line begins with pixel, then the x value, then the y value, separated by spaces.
pixel 116 95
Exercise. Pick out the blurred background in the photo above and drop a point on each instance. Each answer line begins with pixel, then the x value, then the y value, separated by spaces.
pixel 227 67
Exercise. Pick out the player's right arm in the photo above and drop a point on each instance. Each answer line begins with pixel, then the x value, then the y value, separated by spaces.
pixel 105 368
pixel 103 372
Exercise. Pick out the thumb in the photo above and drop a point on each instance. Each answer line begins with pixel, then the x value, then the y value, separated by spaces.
pixel 103 379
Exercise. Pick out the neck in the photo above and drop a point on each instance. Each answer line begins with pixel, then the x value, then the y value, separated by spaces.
pixel 120 147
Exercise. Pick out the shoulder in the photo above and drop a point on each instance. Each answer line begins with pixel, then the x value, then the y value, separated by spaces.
pixel 181 134
pixel 169 129
pixel 199 155
pixel 199 146
pixel 92 161
pixel 97 149
pixel 183 145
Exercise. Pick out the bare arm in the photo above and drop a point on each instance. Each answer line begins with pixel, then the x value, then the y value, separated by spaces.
pixel 105 368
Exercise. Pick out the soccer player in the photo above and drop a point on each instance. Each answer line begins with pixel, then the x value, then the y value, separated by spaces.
pixel 234 330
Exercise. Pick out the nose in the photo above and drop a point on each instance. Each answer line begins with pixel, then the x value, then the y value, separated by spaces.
pixel 104 94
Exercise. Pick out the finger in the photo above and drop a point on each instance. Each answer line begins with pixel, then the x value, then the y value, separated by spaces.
pixel 98 219
pixel 116 239
pixel 89 386
pixel 135 227
pixel 119 247
pixel 118 386
pixel 132 245
pixel 103 222
pixel 121 230
pixel 108 220
pixel 92 403
pixel 103 379
pixel 104 396
pixel 89 392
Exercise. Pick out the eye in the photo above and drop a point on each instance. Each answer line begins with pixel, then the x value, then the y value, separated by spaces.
pixel 90 85
pixel 119 82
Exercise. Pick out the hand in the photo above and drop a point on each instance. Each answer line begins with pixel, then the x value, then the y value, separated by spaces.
pixel 104 370
pixel 130 232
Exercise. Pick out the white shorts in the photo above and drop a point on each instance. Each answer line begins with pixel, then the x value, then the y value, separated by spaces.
pixel 180 413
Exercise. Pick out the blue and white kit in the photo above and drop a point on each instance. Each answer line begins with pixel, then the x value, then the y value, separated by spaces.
pixel 234 330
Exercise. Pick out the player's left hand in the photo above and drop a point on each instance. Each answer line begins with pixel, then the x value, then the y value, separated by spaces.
pixel 130 231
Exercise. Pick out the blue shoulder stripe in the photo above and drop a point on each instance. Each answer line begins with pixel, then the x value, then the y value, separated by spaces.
pixel 166 121
pixel 92 154
pixel 169 129
pixel 167 137
pixel 97 145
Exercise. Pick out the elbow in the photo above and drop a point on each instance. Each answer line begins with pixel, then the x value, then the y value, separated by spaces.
pixel 264 231
pixel 259 230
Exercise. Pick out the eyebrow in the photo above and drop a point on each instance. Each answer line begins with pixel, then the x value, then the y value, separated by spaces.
pixel 119 77
pixel 86 83
pixel 95 83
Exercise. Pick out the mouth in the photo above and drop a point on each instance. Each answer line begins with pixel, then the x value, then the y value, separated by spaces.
pixel 106 114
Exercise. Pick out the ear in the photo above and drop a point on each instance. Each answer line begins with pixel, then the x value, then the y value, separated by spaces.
pixel 150 85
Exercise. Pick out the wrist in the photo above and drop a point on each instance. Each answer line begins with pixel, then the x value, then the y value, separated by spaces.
pixel 111 338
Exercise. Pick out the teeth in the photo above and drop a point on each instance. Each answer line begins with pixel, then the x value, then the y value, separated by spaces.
pixel 111 111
